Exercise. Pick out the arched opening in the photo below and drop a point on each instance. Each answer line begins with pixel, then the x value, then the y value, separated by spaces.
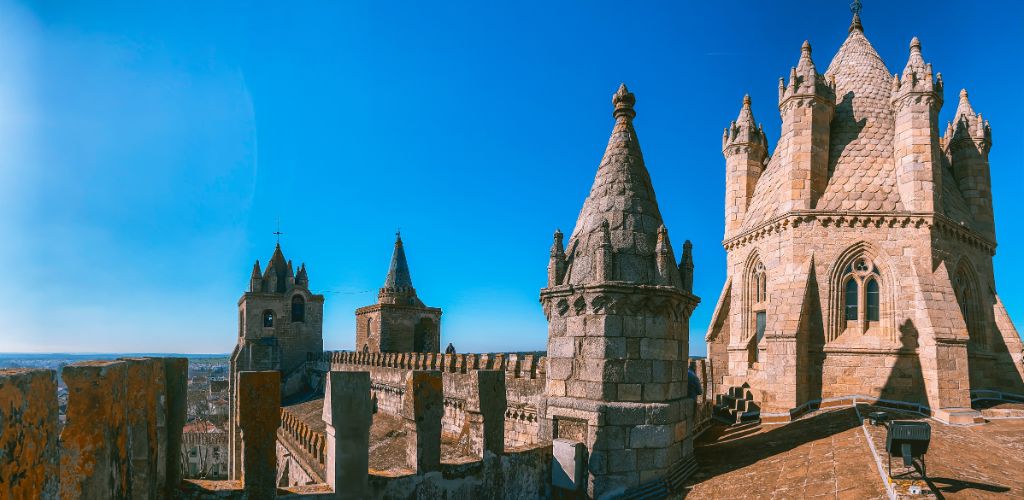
pixel 756 306
pixel 298 309
pixel 965 287
pixel 860 297
pixel 425 336
pixel 268 318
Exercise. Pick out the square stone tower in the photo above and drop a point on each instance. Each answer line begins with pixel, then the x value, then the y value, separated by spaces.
pixel 618 308
pixel 398 322
pixel 279 322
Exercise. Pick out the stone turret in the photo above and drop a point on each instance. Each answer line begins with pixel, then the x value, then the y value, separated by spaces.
pixel 745 148
pixel 967 142
pixel 618 325
pixel 686 267
pixel 399 321
pixel 806 104
pixel 916 100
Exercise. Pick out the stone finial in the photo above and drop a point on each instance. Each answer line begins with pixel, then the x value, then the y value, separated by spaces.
pixel 302 279
pixel 256 273
pixel 623 101
pixel 805 49
pixel 915 45
pixel 855 25
pixel 557 248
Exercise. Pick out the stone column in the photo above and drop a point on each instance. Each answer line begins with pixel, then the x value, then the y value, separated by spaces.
pixel 422 409
pixel 176 382
pixel 348 415
pixel 259 416
pixel 93 443
pixel 28 434
pixel 486 412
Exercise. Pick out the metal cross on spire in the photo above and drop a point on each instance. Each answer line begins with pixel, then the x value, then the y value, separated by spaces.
pixel 278 233
pixel 856 7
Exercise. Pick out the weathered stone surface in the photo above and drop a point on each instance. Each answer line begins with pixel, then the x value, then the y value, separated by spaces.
pixel 176 383
pixel 347 413
pixel 28 434
pixel 94 441
pixel 569 459
pixel 423 407
pixel 489 432
pixel 259 416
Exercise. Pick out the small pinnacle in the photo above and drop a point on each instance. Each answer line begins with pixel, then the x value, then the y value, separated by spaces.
pixel 746 99
pixel 687 244
pixel 963 94
pixel 806 47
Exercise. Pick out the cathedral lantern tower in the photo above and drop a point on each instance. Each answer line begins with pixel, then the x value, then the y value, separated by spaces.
pixel 280 322
pixel 618 325
pixel 399 321
pixel 862 264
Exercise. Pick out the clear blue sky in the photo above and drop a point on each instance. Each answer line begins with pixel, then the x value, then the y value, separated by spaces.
pixel 146 151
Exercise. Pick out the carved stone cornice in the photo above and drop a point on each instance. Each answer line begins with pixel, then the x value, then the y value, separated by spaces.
pixel 617 298
pixel 836 219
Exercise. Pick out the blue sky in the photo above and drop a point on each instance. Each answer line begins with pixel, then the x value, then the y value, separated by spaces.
pixel 147 151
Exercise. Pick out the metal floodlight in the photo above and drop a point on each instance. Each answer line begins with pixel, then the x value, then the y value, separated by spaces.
pixel 908 439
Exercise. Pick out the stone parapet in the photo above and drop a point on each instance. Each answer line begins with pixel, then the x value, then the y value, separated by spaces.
pixel 516 365
pixel 28 434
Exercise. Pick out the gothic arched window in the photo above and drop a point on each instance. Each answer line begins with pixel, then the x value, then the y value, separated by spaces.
pixel 861 294
pixel 756 306
pixel 298 309
pixel 872 299
pixel 850 300
pixel 268 318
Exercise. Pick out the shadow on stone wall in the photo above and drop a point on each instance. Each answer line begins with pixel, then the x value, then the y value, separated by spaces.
pixel 906 380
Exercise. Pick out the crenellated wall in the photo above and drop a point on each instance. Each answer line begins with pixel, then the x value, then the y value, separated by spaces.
pixel 524 384
pixel 121 437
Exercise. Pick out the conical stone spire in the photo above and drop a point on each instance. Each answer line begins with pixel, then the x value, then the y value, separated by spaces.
pixel 398 287
pixel 275 278
pixel 617 229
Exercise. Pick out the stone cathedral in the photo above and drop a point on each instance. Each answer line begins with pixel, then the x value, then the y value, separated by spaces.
pixel 860 249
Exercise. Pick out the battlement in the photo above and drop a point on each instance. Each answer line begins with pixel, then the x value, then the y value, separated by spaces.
pixel 515 365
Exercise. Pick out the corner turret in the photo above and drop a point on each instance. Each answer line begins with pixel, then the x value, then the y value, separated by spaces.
pixel 916 100
pixel 556 263
pixel 745 148
pixel 967 143
pixel 807 104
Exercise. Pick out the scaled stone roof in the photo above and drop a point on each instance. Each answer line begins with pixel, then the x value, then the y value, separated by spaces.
pixel 623 196
pixel 862 169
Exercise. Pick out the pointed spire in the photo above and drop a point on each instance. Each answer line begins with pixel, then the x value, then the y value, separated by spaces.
pixel 963 108
pixel 277 272
pixel 398 272
pixel 256 273
pixel 745 131
pixel 917 75
pixel 302 279
pixel 804 78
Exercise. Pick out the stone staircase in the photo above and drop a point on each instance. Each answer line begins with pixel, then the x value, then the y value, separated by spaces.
pixel 736 406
